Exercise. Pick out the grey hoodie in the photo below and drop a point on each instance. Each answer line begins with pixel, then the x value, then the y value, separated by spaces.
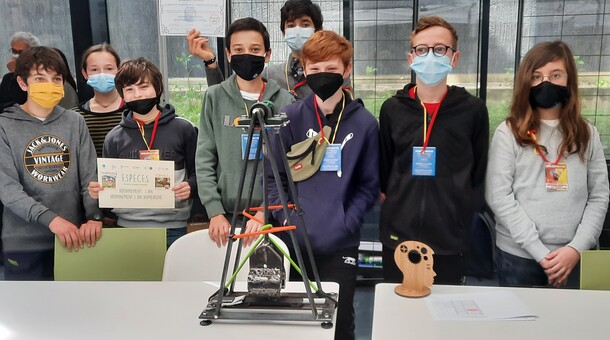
pixel 45 168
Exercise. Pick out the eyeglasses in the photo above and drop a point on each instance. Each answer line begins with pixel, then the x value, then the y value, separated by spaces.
pixel 14 51
pixel 438 50
pixel 555 77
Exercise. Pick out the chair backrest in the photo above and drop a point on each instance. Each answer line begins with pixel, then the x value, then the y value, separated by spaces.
pixel 121 254
pixel 195 257
pixel 595 269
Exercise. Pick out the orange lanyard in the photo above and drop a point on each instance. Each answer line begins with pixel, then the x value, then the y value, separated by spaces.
pixel 532 134
pixel 141 125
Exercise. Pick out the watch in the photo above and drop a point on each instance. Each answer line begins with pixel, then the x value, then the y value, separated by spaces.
pixel 209 62
pixel 97 216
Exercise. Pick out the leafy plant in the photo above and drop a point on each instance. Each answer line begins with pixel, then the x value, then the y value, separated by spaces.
pixel 187 98
pixel 370 70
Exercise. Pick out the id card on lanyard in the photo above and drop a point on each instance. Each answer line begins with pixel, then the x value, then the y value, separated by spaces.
pixel 332 155
pixel 424 157
pixel 555 173
pixel 255 136
pixel 149 153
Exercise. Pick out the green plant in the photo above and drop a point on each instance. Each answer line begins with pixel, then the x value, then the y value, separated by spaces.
pixel 370 70
pixel 579 63
pixel 187 98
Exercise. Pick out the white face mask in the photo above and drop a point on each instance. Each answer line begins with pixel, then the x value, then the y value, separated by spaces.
pixel 296 36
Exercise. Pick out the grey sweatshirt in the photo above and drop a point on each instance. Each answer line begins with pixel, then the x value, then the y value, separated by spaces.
pixel 45 167
pixel 531 221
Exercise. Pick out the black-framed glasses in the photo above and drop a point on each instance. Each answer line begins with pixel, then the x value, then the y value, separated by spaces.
pixel 438 50
pixel 14 51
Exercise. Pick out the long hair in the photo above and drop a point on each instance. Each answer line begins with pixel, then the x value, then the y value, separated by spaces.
pixel 522 117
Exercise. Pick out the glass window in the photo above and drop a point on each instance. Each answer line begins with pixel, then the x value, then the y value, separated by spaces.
pixel 49 20
pixel 585 27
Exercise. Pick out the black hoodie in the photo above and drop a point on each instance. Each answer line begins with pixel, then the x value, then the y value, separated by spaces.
pixel 176 140
pixel 435 210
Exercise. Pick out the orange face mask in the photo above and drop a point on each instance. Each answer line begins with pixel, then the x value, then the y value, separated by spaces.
pixel 46 95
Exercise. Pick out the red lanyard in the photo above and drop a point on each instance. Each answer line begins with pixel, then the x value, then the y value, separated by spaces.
pixel 154 131
pixel 296 86
pixel 322 138
pixel 532 134
pixel 260 95
pixel 428 130
pixel 315 105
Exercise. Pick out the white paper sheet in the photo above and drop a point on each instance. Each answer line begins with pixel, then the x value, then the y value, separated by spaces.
pixel 493 305
pixel 177 17
pixel 136 183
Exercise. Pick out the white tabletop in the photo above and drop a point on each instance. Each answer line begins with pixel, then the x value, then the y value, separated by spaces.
pixel 563 314
pixel 130 310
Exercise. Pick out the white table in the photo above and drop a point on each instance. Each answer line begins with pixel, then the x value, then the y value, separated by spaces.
pixel 563 314
pixel 131 310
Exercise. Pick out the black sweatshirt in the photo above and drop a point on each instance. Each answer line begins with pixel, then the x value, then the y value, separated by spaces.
pixel 435 210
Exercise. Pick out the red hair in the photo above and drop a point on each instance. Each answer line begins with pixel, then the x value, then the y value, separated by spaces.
pixel 325 45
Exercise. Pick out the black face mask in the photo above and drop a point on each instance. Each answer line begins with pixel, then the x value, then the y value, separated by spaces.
pixel 547 95
pixel 247 66
pixel 325 84
pixel 142 106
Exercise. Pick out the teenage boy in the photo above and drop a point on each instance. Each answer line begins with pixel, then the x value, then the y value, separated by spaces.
pixel 335 198
pixel 299 19
pixel 47 161
pixel 151 131
pixel 434 141
pixel 219 152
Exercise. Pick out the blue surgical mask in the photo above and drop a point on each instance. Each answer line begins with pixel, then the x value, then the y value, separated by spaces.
pixel 101 82
pixel 296 36
pixel 430 69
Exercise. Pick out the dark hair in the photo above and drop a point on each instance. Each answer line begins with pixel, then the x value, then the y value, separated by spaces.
pixel 138 71
pixel 103 47
pixel 39 57
pixel 433 21
pixel 294 9
pixel 522 117
pixel 248 24
pixel 68 75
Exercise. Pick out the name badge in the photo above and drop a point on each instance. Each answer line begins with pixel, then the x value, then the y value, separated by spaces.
pixel 150 155
pixel 253 146
pixel 332 158
pixel 424 164
pixel 556 177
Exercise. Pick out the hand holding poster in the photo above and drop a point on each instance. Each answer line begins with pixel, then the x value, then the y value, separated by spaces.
pixel 131 183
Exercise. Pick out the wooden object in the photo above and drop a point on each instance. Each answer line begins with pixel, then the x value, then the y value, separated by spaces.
pixel 415 261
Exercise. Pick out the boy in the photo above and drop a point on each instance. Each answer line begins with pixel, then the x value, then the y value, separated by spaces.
pixel 432 174
pixel 333 199
pixel 219 154
pixel 149 131
pixel 299 19
pixel 48 159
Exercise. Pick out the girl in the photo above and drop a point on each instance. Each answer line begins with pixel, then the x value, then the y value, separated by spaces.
pixel 104 110
pixel 547 180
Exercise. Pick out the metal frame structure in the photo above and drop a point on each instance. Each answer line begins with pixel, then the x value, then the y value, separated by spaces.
pixel 289 306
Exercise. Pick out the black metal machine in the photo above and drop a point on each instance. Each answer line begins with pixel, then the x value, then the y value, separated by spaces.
pixel 264 299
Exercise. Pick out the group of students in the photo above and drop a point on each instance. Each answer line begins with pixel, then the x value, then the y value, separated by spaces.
pixel 426 158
